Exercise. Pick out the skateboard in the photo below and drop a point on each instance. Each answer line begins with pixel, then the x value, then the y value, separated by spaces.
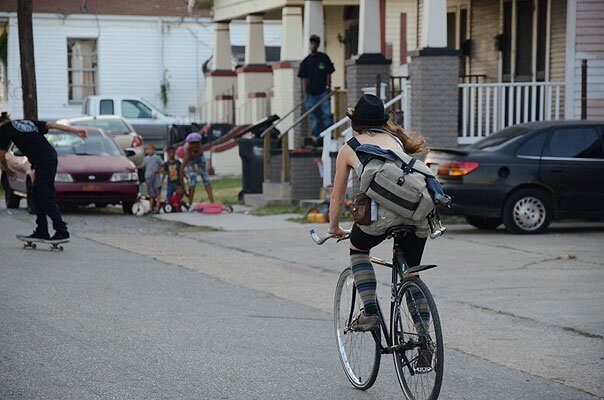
pixel 33 243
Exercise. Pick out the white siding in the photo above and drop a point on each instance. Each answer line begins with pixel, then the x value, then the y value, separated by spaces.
pixel 129 58
pixel 589 45
pixel 394 9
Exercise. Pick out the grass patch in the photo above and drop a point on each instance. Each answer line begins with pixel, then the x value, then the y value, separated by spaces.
pixel 278 209
pixel 181 227
pixel 226 191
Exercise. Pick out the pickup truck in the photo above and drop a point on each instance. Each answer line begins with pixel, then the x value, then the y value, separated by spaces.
pixel 153 125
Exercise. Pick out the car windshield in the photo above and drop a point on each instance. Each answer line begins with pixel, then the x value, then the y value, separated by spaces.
pixel 68 144
pixel 496 140
pixel 113 126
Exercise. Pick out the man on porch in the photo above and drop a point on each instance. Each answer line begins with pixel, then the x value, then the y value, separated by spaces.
pixel 315 71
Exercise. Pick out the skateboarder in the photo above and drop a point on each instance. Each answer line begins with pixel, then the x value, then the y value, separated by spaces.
pixel 28 136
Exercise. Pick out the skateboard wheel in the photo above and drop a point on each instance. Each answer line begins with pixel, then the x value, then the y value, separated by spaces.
pixel 60 248
pixel 50 247
pixel 33 246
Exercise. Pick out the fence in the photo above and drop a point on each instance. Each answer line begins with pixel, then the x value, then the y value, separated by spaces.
pixel 489 107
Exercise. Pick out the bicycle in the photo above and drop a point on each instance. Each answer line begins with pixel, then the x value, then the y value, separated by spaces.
pixel 414 338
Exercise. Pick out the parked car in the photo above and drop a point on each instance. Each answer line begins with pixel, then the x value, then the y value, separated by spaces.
pixel 91 171
pixel 155 126
pixel 526 176
pixel 122 132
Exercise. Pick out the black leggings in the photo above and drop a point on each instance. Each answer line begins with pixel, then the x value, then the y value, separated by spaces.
pixel 412 246
pixel 44 197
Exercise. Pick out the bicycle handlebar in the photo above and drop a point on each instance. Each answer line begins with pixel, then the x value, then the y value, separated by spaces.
pixel 319 240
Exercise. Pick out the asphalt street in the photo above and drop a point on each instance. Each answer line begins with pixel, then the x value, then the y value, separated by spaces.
pixel 138 308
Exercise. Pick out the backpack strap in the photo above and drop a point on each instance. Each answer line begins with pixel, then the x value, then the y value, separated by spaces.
pixel 353 143
pixel 409 167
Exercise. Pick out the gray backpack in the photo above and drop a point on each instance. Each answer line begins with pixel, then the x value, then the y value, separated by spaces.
pixel 395 180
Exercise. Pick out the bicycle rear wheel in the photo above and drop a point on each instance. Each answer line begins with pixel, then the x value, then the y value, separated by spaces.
pixel 416 326
pixel 359 351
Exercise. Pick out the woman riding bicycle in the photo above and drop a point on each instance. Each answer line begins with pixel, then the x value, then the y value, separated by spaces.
pixel 372 126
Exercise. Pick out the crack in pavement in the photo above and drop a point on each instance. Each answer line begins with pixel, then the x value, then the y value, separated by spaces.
pixel 509 314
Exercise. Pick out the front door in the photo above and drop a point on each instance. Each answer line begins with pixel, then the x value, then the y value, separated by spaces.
pixel 573 166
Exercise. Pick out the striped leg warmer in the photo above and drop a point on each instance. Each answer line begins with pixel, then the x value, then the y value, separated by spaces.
pixel 420 312
pixel 364 279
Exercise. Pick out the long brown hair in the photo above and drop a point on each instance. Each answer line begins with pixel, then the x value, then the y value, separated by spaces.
pixel 413 143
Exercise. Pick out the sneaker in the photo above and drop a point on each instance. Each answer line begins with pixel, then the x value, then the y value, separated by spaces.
pixel 424 361
pixel 365 323
pixel 38 236
pixel 60 235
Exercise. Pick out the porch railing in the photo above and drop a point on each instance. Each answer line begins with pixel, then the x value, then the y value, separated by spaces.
pixel 399 102
pixel 488 107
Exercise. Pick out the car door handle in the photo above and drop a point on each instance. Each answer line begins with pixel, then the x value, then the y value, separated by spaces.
pixel 556 170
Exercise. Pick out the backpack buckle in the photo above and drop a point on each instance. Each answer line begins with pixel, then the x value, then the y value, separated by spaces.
pixel 401 180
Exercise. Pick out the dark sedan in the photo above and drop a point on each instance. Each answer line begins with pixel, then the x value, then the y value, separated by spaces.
pixel 526 176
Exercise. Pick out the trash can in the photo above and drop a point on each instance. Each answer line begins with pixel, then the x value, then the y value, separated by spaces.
pixel 251 152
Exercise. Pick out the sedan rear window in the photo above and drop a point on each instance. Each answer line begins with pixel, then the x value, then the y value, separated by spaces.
pixel 494 141
pixel 68 144
pixel 110 126
pixel 533 146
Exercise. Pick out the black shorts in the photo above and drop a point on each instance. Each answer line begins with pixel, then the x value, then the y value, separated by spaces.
pixel 413 247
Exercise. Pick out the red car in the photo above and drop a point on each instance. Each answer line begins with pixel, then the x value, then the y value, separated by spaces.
pixel 93 171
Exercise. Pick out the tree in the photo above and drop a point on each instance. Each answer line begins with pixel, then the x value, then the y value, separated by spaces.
pixel 28 66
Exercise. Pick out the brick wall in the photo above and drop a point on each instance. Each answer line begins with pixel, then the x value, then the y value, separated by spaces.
pixel 434 98
pixel 363 75
pixel 305 180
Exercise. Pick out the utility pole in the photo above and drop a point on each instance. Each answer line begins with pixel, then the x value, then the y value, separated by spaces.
pixel 28 66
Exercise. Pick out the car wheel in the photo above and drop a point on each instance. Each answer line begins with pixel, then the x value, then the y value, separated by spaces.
pixel 484 222
pixel 31 204
pixel 127 207
pixel 11 199
pixel 527 211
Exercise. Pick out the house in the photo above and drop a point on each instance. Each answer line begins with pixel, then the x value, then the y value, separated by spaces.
pixel 457 70
pixel 153 49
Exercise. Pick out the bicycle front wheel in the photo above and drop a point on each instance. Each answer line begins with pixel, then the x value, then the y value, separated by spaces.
pixel 415 326
pixel 359 352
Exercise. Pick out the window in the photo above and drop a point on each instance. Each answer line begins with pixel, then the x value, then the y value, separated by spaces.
pixel 451 30
pixel 533 146
pixel 502 137
pixel 82 68
pixel 135 109
pixel 581 142
pixel 106 107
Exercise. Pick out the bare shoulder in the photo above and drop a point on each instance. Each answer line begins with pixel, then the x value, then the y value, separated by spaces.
pixel 347 156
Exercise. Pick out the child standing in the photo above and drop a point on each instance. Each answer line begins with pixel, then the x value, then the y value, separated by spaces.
pixel 152 164
pixel 171 170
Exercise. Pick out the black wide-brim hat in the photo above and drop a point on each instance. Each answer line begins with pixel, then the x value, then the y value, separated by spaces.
pixel 369 111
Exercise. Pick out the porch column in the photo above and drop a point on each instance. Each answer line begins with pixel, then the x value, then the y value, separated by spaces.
pixel 286 85
pixel 370 65
pixel 221 80
pixel 434 33
pixel 434 76
pixel 254 79
pixel 254 47
pixel 314 23
pixel 369 21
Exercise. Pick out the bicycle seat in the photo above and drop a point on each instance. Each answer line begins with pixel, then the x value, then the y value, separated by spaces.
pixel 399 230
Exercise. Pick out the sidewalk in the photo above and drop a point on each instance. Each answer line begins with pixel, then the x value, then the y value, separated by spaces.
pixel 236 221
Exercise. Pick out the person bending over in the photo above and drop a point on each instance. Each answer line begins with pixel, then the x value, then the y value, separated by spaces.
pixel 28 136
